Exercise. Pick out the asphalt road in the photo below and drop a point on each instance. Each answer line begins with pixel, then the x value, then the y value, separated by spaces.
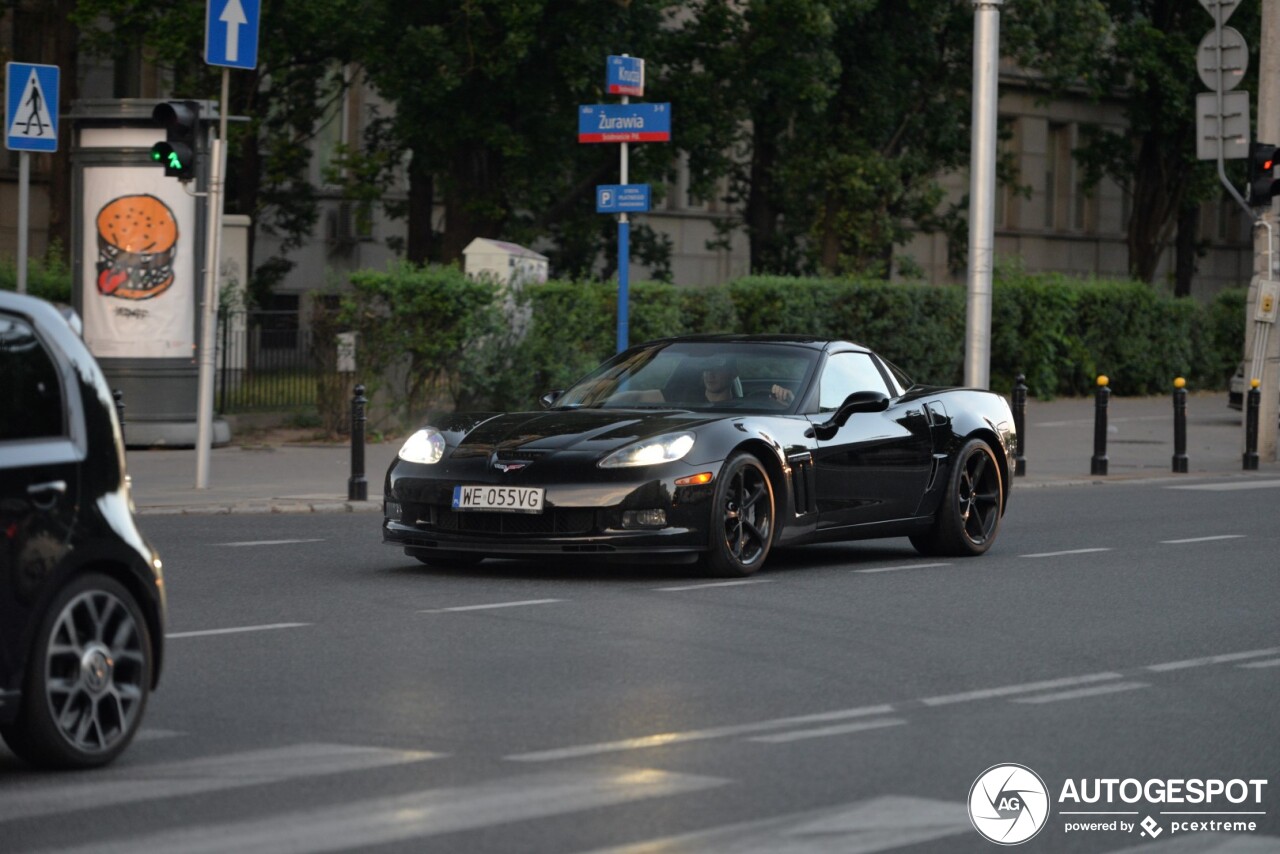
pixel 323 692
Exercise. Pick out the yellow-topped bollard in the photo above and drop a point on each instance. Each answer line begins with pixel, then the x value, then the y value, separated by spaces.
pixel 1098 464
pixel 1255 382
pixel 1179 426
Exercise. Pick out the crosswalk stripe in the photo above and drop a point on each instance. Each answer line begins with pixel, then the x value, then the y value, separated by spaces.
pixel 361 825
pixel 863 827
pixel 125 785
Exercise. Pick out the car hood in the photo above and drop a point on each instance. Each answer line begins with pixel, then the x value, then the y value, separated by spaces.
pixel 595 431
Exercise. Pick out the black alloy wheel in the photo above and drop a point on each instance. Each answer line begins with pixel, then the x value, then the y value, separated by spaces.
pixel 742 518
pixel 87 680
pixel 969 518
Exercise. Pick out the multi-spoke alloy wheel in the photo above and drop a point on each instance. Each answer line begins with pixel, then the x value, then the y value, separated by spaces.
pixel 88 679
pixel 969 517
pixel 741 518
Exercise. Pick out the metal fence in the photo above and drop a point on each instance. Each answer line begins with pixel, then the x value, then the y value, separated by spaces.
pixel 266 362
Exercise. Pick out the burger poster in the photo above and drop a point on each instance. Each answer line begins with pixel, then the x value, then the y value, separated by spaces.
pixel 140 280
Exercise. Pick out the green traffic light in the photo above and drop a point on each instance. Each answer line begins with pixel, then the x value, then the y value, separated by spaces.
pixel 174 162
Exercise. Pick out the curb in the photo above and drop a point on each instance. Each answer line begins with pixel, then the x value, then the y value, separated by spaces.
pixel 260 508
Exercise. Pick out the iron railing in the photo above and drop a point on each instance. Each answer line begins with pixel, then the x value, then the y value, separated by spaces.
pixel 266 362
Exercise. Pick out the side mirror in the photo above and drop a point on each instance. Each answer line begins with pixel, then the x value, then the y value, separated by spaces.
pixel 549 399
pixel 859 401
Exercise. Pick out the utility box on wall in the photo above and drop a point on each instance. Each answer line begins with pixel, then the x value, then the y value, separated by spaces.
pixel 506 263
pixel 137 252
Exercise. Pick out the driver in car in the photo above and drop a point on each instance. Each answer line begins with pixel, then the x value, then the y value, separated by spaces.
pixel 718 378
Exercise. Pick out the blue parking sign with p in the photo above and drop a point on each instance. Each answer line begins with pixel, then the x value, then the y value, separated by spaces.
pixel 31 107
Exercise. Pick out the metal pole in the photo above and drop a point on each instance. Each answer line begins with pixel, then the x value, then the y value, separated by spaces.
pixel 624 252
pixel 1020 424
pixel 24 216
pixel 1180 426
pixel 1098 465
pixel 1266 341
pixel 209 308
pixel 1253 400
pixel 357 486
pixel 982 190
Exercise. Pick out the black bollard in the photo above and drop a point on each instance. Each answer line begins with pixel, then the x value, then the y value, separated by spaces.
pixel 1180 426
pixel 1254 398
pixel 1020 424
pixel 118 396
pixel 357 487
pixel 1098 465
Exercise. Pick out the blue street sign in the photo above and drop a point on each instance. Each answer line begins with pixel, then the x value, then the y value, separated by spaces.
pixel 622 198
pixel 624 123
pixel 31 107
pixel 231 33
pixel 624 75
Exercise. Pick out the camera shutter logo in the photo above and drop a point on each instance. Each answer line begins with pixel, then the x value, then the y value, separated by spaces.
pixel 1008 804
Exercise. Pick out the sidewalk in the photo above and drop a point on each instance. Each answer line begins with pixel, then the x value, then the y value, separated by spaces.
pixel 1057 442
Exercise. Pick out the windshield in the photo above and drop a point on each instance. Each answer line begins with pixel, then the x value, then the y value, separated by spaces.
pixel 701 375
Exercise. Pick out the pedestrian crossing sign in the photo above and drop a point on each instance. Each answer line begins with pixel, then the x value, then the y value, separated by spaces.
pixel 31 107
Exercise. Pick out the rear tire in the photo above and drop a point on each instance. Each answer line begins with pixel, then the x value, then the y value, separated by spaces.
pixel 969 517
pixel 742 519
pixel 88 678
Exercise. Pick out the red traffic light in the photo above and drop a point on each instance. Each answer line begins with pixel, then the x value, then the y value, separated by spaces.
pixel 1263 185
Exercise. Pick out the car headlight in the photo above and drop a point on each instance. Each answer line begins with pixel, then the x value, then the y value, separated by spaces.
pixel 660 449
pixel 426 446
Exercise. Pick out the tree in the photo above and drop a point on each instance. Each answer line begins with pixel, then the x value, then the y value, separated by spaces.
pixel 751 81
pixel 486 95
pixel 303 45
pixel 1144 52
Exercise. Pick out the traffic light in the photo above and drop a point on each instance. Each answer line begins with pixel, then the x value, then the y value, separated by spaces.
pixel 1262 181
pixel 181 120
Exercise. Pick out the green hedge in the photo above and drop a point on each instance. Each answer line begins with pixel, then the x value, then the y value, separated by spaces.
pixel 1060 332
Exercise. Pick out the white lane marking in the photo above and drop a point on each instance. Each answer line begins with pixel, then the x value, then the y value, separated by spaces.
pixel 234 631
pixel 824 732
pixel 663 739
pixel 715 584
pixel 1275 662
pixel 1068 552
pixel 1025 688
pixel 362 825
pixel 270 542
pixel 1213 659
pixel 1203 539
pixel 899 568
pixel 1078 693
pixel 1230 487
pixel 491 606
pixel 886 823
pixel 52 795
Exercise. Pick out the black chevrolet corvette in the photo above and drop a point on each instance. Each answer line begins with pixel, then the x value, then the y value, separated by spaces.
pixel 710 449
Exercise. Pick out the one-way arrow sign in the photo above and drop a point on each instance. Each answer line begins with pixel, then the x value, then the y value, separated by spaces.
pixel 231 33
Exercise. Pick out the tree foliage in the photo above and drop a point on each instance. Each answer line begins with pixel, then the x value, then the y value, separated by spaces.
pixel 824 125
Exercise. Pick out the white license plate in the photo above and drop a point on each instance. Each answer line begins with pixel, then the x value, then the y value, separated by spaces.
pixel 509 499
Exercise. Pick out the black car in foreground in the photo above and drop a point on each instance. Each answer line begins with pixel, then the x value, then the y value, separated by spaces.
pixel 710 449
pixel 82 605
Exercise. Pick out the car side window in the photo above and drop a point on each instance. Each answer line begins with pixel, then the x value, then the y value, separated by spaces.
pixel 30 392
pixel 844 374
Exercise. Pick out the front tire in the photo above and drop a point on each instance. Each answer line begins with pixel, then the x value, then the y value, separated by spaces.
pixel 742 518
pixel 969 518
pixel 88 680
